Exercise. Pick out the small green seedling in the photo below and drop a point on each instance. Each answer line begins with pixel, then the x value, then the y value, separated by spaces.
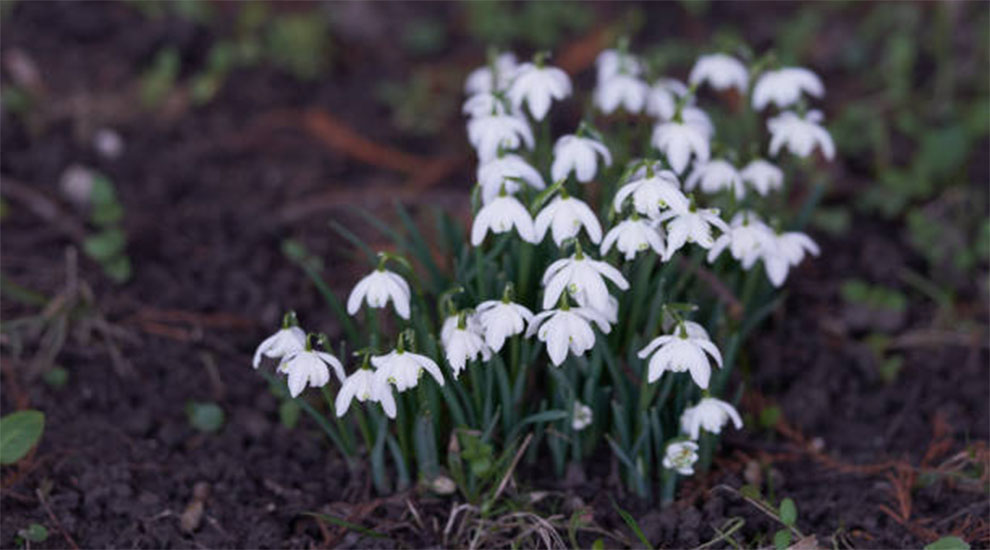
pixel 205 417
pixel 948 543
pixel 108 243
pixel 35 532
pixel 19 433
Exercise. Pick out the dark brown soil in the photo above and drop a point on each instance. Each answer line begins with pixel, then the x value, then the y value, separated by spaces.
pixel 210 193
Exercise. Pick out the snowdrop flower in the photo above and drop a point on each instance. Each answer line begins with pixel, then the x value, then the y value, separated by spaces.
pixel 377 288
pixel 487 133
pixel 288 340
pixel 762 176
pixel 403 369
pixel 462 341
pixel 699 119
pixel 678 141
pixel 578 154
pixel 507 170
pixel 714 176
pixel 565 216
pixel 582 277
pixel 721 72
pixel 482 80
pixel 694 330
pixel 621 90
pixel 784 87
pixel 567 328
pixel 632 236
pixel 710 414
pixel 307 367
pixel 680 456
pixel 800 135
pixel 661 99
pixel 537 85
pixel 484 104
pixel 500 319
pixel 501 215
pixel 612 62
pixel 658 189
pixel 785 251
pixel 693 225
pixel 681 352
pixel 581 417
pixel 747 239
pixel 365 385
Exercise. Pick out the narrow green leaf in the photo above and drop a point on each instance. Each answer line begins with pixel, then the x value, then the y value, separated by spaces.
pixel 633 525
pixel 348 525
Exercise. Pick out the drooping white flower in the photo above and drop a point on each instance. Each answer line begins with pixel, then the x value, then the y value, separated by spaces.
pixel 699 119
pixel 507 170
pixel 307 367
pixel 500 319
pixel 621 90
pixel 694 330
pixel 680 456
pixel 565 216
pixel 487 133
pixel 403 368
pixel 583 278
pixel 721 72
pixel 365 385
pixel 580 155
pixel 679 352
pixel 710 414
pixel 651 192
pixel 501 215
pixel 284 342
pixel 377 288
pixel 784 87
pixel 463 341
pixel 747 239
pixel 537 86
pixel 481 80
pixel 484 104
pixel 632 236
pixel 567 328
pixel 784 251
pixel 661 99
pixel 581 417
pixel 612 62
pixel 800 135
pixel 691 226
pixel 762 176
pixel 714 176
pixel 678 141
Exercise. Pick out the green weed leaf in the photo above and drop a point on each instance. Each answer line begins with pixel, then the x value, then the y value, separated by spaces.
pixel 19 432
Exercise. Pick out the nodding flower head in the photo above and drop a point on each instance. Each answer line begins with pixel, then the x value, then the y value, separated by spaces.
pixel 721 72
pixel 537 85
pixel 710 414
pixel 679 352
pixel 783 87
pixel 377 289
pixel 680 456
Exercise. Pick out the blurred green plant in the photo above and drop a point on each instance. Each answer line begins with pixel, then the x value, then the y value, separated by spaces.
pixel 107 244
pixel 19 433
pixel 205 417
pixel 538 25
pixel 919 126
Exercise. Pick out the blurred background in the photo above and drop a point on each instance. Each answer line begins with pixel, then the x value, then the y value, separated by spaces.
pixel 158 156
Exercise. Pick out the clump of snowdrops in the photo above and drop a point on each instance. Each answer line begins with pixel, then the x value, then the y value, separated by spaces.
pixel 603 293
